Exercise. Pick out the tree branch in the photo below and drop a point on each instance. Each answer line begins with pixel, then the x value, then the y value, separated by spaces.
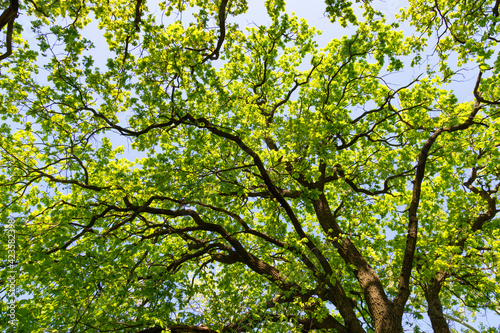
pixel 411 239
pixel 222 32
pixel 7 18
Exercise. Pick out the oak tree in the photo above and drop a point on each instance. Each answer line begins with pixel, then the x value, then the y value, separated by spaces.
pixel 187 171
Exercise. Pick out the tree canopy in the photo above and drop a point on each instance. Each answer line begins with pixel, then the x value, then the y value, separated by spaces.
pixel 186 171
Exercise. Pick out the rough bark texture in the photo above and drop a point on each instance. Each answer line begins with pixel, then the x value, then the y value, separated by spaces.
pixel 434 306
pixel 380 306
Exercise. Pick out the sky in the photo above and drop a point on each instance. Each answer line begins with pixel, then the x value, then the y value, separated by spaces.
pixel 313 12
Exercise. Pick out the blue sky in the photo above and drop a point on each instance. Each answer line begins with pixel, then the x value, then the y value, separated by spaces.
pixel 313 12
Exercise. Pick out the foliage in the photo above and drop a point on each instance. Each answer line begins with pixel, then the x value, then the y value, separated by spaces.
pixel 245 179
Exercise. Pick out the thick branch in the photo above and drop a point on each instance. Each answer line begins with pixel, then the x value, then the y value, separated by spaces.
pixel 435 308
pixel 10 14
pixel 7 18
pixel 222 32
pixel 370 283
pixel 411 239
pixel 204 123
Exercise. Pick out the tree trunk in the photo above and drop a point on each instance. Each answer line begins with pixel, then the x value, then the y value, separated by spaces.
pixel 387 323
pixel 434 306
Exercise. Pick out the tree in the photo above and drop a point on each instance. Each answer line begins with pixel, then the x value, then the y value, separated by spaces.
pixel 269 184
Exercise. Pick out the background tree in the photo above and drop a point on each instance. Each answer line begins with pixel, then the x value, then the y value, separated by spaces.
pixel 270 185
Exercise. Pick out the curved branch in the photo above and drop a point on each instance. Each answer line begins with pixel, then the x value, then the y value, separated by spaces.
pixel 10 14
pixel 477 94
pixel 222 35
pixel 411 239
pixel 7 18
pixel 204 123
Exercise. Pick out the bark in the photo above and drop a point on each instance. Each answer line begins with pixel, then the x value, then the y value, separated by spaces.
pixel 434 306
pixel 435 312
pixel 381 308
pixel 7 18
pixel 9 14
pixel 411 239
pixel 433 288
